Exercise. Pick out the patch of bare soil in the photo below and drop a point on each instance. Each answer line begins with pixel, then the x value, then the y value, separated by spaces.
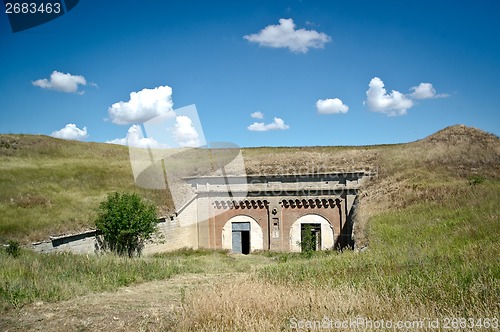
pixel 145 307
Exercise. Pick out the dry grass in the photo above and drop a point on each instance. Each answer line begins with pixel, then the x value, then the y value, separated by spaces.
pixel 268 307
pixel 149 306
pixel 430 219
pixel 436 258
pixel 51 186
pixel 307 160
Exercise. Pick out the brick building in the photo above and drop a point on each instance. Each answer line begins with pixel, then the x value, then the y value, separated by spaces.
pixel 248 213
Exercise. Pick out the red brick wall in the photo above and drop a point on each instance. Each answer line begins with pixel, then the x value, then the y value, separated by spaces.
pixel 259 213
pixel 286 213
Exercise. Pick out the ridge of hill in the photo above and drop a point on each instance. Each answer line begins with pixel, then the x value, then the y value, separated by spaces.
pixel 462 149
pixel 50 186
pixel 458 134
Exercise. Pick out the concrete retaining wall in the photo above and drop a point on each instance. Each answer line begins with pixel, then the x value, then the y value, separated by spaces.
pixel 174 233
pixel 81 243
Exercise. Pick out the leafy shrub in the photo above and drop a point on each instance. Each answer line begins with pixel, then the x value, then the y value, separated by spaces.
pixel 13 248
pixel 308 243
pixel 124 223
pixel 476 179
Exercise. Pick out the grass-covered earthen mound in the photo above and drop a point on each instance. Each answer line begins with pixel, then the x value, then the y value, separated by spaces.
pixel 429 218
pixel 51 186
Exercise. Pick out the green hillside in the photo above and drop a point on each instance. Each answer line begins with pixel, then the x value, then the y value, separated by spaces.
pixel 50 186
pixel 430 217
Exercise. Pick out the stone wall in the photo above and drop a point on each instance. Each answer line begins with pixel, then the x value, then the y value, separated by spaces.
pixel 275 203
pixel 272 204
pixel 176 232
pixel 173 233
pixel 82 243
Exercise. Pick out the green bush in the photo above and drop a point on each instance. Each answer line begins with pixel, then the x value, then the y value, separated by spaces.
pixel 476 179
pixel 124 223
pixel 13 248
pixel 308 243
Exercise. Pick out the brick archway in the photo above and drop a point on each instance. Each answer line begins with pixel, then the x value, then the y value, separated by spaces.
pixel 256 235
pixel 327 233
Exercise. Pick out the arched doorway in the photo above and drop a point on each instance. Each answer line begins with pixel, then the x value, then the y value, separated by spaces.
pixel 320 228
pixel 242 234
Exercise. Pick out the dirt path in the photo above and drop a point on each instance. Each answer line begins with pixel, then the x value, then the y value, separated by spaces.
pixel 146 307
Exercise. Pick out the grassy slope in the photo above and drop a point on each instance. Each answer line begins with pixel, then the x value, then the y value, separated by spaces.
pixel 51 186
pixel 432 221
pixel 431 218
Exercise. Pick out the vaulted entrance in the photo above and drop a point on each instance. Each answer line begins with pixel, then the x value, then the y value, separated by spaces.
pixel 310 237
pixel 241 237
pixel 312 230
pixel 242 234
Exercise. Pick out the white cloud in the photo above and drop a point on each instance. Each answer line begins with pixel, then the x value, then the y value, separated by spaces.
pixel 71 132
pixel 397 103
pixel 143 105
pixel 277 124
pixel 184 132
pixel 392 104
pixel 425 91
pixel 284 35
pixel 136 139
pixel 257 115
pixel 331 106
pixel 62 82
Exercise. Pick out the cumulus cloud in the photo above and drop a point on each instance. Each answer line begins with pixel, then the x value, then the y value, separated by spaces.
pixel 392 104
pixel 62 82
pixel 397 103
pixel 184 132
pixel 257 115
pixel 284 35
pixel 136 139
pixel 331 106
pixel 142 106
pixel 425 91
pixel 71 132
pixel 277 124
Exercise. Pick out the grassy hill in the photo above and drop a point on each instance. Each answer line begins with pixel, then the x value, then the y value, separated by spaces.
pixel 431 219
pixel 50 186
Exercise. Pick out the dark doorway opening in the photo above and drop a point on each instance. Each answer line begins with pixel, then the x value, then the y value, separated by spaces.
pixel 310 237
pixel 245 242
pixel 241 237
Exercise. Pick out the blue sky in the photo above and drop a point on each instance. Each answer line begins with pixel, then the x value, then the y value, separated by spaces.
pixel 310 72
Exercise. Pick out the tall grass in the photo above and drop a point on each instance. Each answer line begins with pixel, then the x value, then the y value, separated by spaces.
pixel 51 186
pixel 428 260
pixel 432 234
pixel 451 244
pixel 52 277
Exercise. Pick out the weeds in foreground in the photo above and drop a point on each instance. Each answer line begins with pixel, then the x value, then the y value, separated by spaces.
pixel 433 244
pixel 13 248
pixel 255 305
pixel 34 277
pixel 426 261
